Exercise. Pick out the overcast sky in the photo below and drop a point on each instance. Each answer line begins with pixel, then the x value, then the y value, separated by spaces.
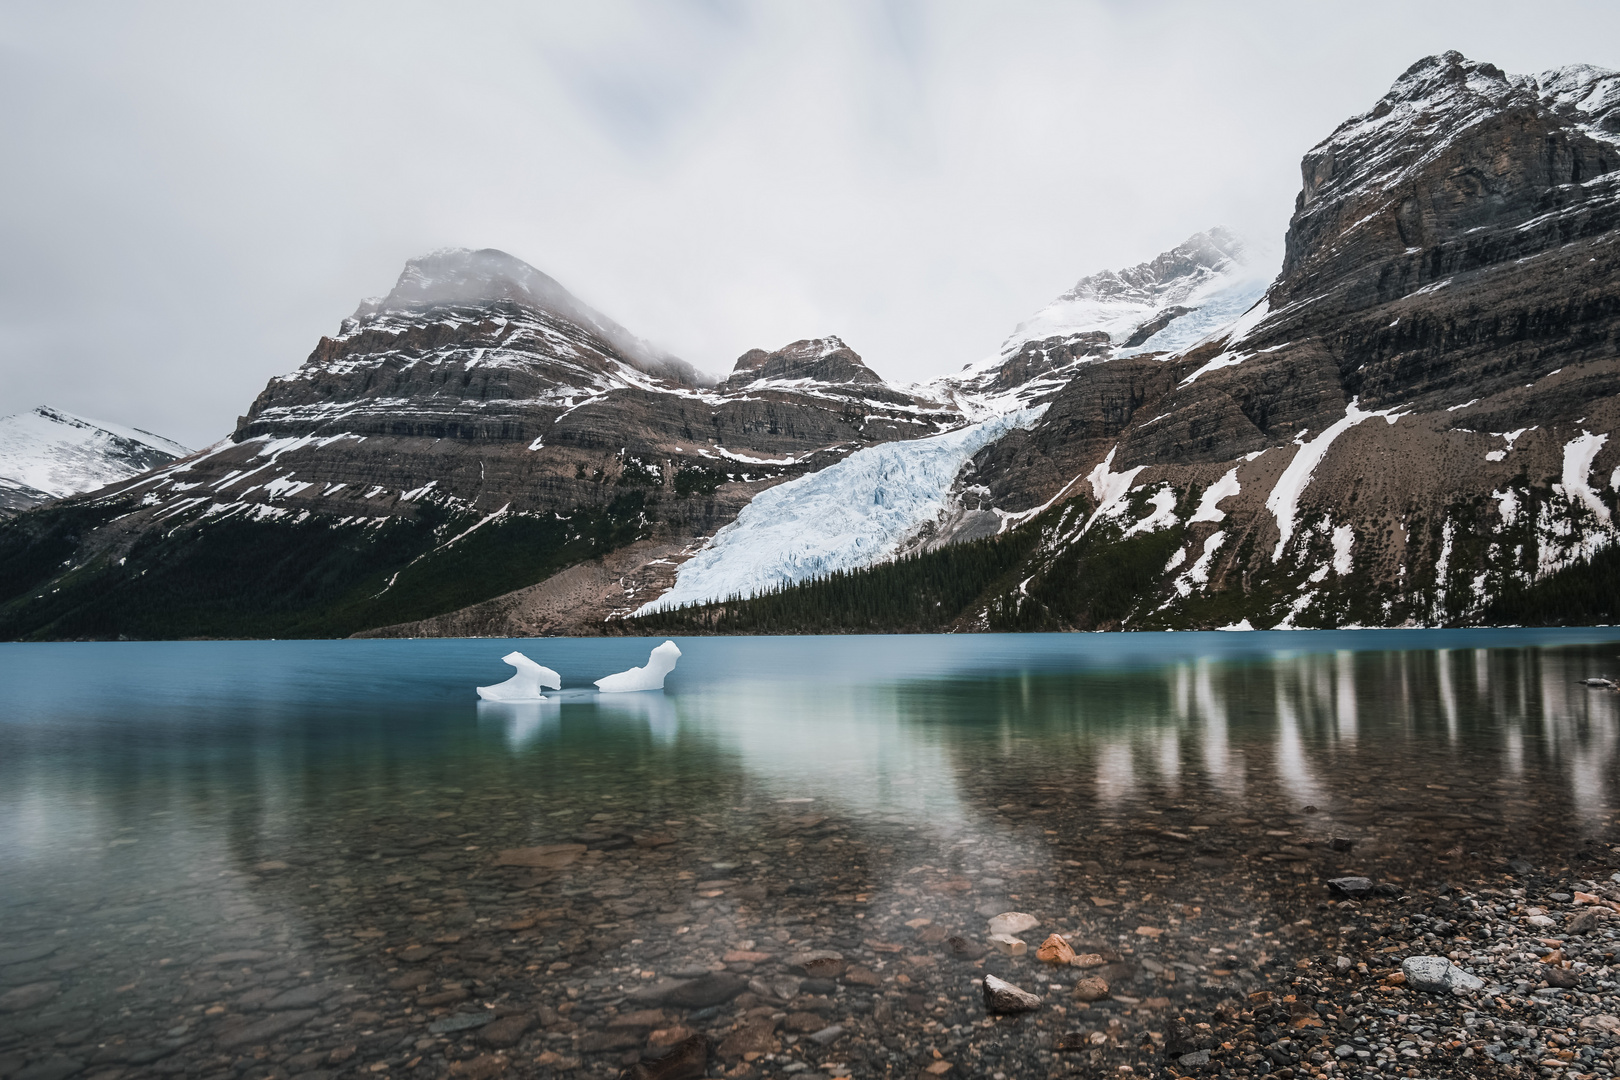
pixel 192 194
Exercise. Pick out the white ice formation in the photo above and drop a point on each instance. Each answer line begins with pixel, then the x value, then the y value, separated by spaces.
pixel 849 515
pixel 650 677
pixel 526 684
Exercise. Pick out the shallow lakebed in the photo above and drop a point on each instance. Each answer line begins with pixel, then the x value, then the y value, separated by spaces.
pixel 277 859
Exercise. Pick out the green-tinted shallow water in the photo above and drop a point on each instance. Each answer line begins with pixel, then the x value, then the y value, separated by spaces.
pixel 233 859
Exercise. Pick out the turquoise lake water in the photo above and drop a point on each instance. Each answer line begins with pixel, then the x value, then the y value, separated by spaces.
pixel 330 805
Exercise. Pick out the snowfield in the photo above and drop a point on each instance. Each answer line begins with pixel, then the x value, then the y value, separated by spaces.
pixel 60 454
pixel 847 516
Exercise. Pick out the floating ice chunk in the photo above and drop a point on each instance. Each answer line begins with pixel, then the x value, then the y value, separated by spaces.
pixel 526 684
pixel 650 677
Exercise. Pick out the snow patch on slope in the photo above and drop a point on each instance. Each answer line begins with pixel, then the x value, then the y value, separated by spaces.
pixel 1221 490
pixel 849 515
pixel 1578 456
pixel 59 454
pixel 1283 501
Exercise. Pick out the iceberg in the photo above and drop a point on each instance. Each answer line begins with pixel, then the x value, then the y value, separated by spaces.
pixel 526 684
pixel 650 677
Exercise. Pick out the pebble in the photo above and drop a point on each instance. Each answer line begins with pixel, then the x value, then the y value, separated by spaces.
pixel 1008 945
pixel 1012 923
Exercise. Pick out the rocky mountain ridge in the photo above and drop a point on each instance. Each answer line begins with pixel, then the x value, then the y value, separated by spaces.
pixel 1162 305
pixel 1410 424
pixel 1415 422
pixel 478 412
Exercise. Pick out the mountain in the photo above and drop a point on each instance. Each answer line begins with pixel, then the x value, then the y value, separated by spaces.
pixel 49 454
pixel 1411 423
pixel 1165 304
pixel 1414 425
pixel 475 432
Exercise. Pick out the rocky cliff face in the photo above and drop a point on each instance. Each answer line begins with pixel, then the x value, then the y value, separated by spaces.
pixel 1417 419
pixel 475 406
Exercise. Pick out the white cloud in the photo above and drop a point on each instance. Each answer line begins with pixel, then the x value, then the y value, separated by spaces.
pixel 195 193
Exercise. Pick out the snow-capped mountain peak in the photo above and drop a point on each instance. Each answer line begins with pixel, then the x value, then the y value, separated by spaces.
pixel 467 278
pixel 1166 304
pixel 50 454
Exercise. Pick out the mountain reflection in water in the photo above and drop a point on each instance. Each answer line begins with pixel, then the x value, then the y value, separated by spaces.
pixel 324 811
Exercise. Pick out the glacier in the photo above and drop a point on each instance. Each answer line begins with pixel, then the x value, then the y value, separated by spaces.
pixel 849 515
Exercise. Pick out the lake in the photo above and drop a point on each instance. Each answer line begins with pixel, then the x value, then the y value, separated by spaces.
pixel 278 859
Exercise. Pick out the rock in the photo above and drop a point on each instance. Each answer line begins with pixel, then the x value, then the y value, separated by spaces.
pixel 482 1067
pixel 443 997
pixel 1434 974
pixel 26 953
pixel 1522 867
pixel 1008 945
pixel 819 965
pixel 1193 1060
pixel 652 840
pixel 641 1018
pixel 964 948
pixel 1012 923
pixel 803 1022
pixel 1091 988
pixel 667 1037
pixel 1002 997
pixel 239 956
pixel 686 1060
pixel 410 980
pixel 417 953
pixel 301 997
pixel 1054 950
pixel 756 1036
pixel 507 1031
pixel 862 976
pixel 446 1025
pixel 1563 978
pixel 1088 960
pixel 265 1030
pixel 51 1068
pixel 546 857
pixel 596 1042
pixel 1353 887
pixel 1601 1022
pixel 715 988
pixel 828 1035
pixel 28 996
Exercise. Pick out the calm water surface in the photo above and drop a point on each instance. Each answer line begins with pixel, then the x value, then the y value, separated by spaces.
pixel 283 858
